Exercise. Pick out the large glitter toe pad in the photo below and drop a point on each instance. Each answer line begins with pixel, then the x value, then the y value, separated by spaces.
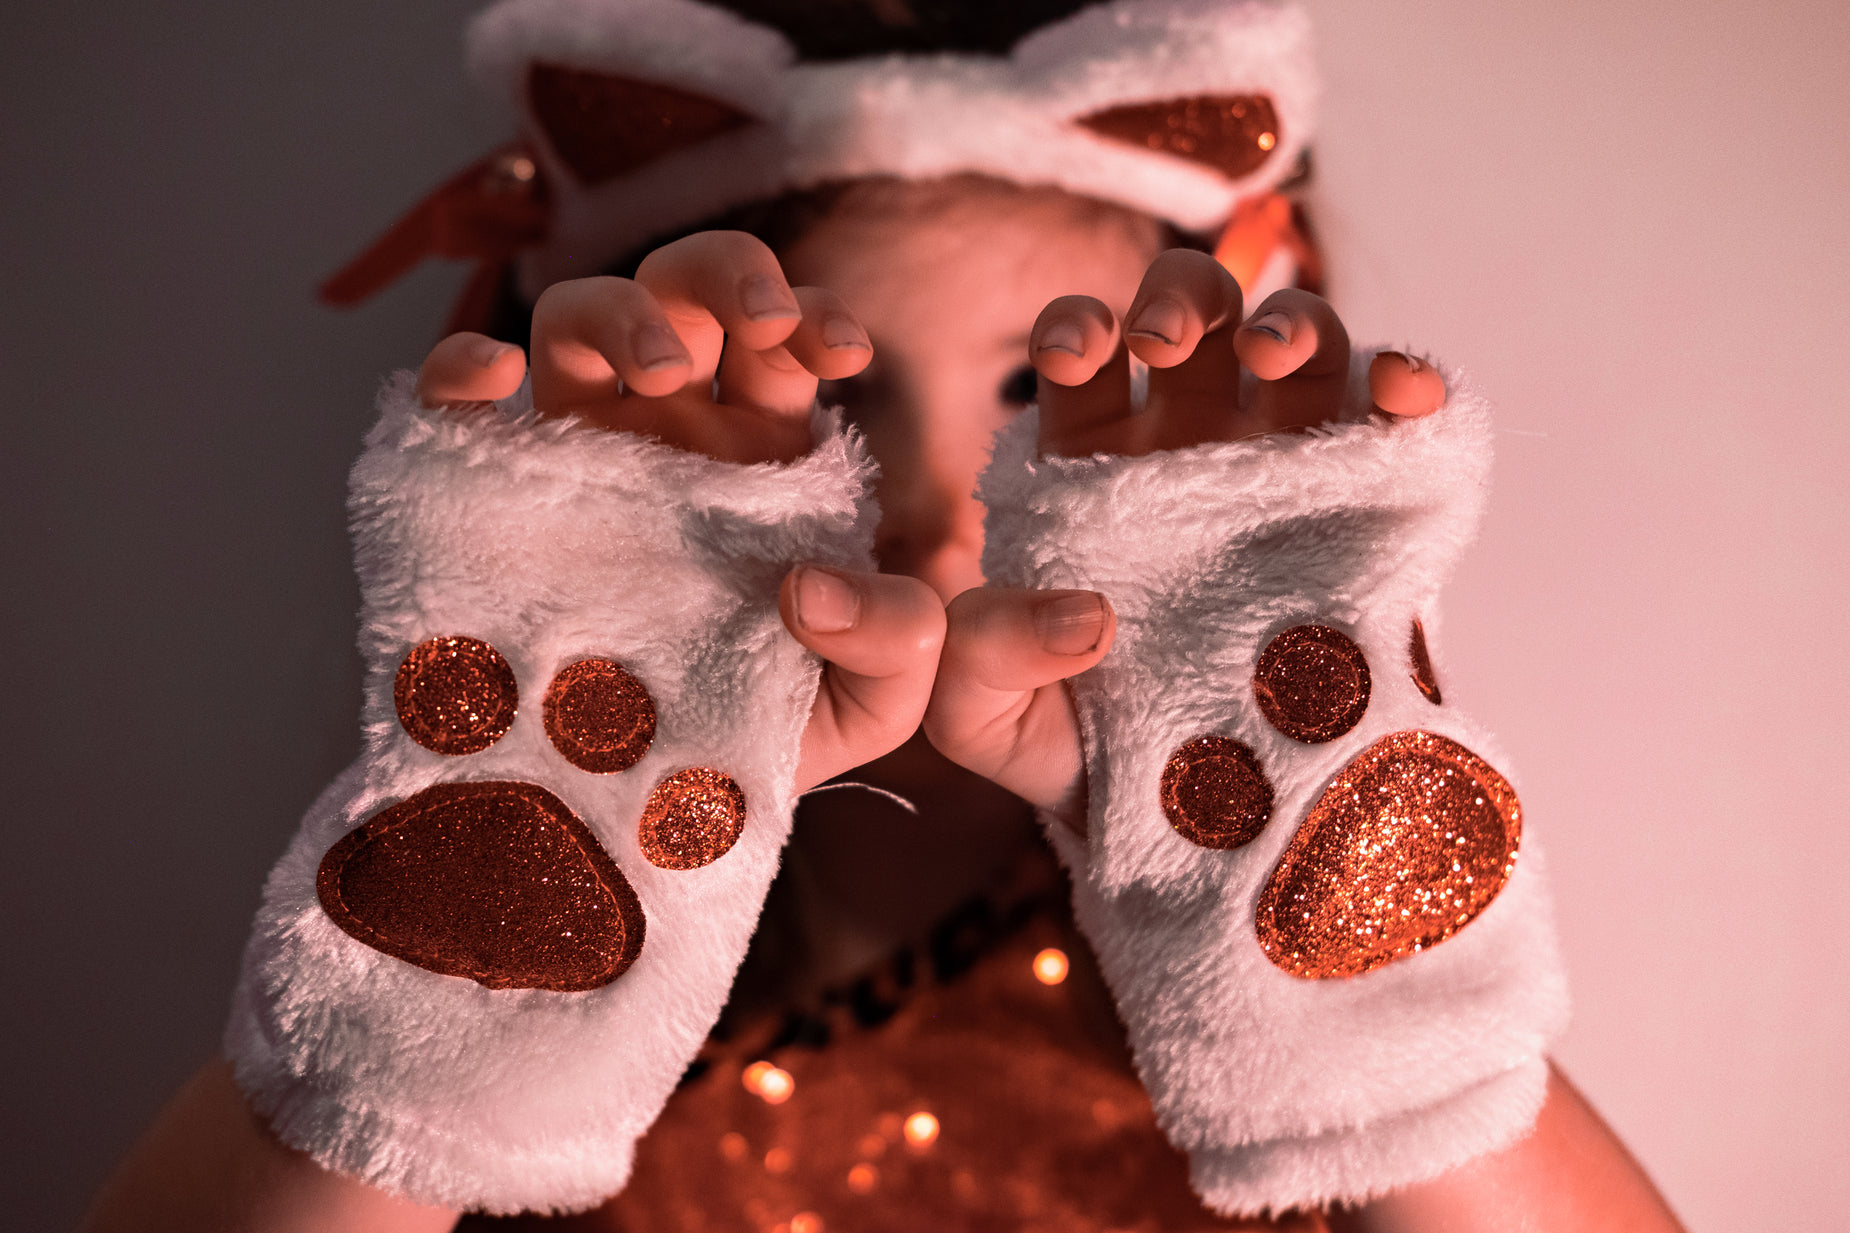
pixel 1408 844
pixel 499 882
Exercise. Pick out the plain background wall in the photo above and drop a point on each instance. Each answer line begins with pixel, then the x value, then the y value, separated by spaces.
pixel 1626 219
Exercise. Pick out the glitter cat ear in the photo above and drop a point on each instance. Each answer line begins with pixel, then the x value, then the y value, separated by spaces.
pixel 603 126
pixel 641 118
pixel 1232 133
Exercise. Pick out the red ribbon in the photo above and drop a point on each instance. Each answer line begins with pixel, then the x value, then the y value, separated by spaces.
pixel 488 213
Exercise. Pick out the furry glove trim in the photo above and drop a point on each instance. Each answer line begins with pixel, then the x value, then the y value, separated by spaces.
pixel 1301 872
pixel 498 940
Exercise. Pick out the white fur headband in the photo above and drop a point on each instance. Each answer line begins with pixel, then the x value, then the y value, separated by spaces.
pixel 647 116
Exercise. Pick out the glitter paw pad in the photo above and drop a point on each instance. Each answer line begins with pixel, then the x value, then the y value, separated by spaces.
pixel 1312 683
pixel 1411 840
pixel 497 882
pixel 1299 869
pixel 692 819
pixel 599 717
pixel 499 938
pixel 1214 793
pixel 455 696
pixel 501 882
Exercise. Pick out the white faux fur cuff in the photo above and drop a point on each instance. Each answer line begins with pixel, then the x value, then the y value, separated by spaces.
pixel 478 973
pixel 1296 863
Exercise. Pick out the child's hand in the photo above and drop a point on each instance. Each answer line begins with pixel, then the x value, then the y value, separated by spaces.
pixel 999 707
pixel 642 356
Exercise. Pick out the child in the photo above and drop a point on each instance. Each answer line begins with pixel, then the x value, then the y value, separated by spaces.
pixel 936 263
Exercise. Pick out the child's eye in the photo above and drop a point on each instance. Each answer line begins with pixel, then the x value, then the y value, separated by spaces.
pixel 1019 387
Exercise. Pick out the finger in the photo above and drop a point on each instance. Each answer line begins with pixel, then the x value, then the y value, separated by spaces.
pixel 828 340
pixel 998 707
pixel 1182 324
pixel 782 380
pixel 593 337
pixel 1084 372
pixel 880 635
pixel 1405 385
pixel 719 285
pixel 1296 345
pixel 469 368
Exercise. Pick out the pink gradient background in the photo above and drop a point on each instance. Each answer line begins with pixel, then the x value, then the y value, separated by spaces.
pixel 1627 220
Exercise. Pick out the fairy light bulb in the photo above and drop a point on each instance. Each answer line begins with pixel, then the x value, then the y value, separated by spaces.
pixel 769 1083
pixel 1051 966
pixel 921 1129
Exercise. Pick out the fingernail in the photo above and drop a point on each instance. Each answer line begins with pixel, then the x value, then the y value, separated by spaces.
pixel 485 351
pixel 657 347
pixel 826 604
pixel 1161 319
pixel 1275 324
pixel 765 299
pixel 841 333
pixel 1063 336
pixel 1070 624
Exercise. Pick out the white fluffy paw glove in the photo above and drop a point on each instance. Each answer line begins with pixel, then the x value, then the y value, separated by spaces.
pixel 498 940
pixel 1307 880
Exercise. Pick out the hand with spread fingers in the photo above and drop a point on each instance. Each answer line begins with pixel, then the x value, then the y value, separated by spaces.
pixel 592 613
pixel 999 707
pixel 710 350
pixel 1204 654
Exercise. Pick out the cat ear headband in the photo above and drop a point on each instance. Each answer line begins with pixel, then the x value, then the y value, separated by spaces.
pixel 638 118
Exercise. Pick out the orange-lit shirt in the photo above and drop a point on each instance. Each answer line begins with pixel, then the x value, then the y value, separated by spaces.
pixel 972 1083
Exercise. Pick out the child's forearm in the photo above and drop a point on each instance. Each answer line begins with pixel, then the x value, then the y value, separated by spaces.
pixel 208 1165
pixel 1570 1175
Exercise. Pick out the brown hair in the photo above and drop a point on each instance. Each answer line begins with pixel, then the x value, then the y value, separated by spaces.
pixel 850 29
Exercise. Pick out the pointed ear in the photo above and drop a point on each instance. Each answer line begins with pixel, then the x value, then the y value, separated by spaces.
pixel 1232 133
pixel 604 126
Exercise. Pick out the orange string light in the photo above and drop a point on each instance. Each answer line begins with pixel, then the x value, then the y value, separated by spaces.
pixel 921 1129
pixel 1051 966
pixel 769 1083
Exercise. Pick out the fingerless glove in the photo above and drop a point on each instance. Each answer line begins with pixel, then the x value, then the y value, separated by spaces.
pixel 1307 876
pixel 499 938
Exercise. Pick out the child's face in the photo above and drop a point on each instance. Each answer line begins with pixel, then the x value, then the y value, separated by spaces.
pixel 947 284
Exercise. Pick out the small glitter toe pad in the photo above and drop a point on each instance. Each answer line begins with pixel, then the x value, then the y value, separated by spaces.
pixel 692 819
pixel 455 695
pixel 598 716
pixel 1215 794
pixel 1408 844
pixel 498 882
pixel 1312 683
